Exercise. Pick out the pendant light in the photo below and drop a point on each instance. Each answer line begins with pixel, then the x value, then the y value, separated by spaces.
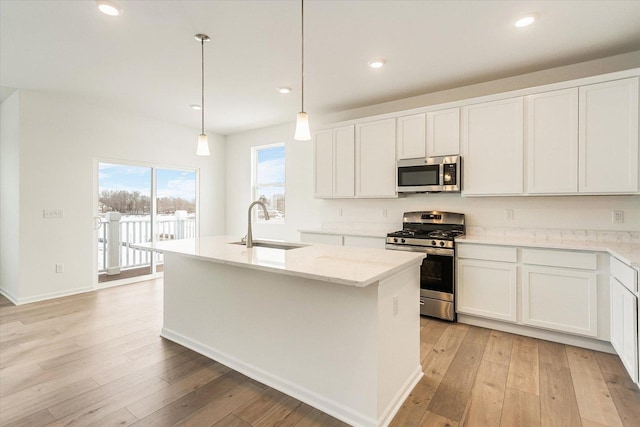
pixel 203 144
pixel 302 119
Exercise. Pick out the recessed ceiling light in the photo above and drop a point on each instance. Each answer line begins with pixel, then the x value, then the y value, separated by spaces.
pixel 196 107
pixel 284 89
pixel 109 8
pixel 525 21
pixel 377 63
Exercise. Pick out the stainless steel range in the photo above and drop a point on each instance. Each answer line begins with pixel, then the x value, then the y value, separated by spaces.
pixel 433 233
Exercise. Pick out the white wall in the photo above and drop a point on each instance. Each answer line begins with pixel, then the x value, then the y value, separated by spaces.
pixel 301 209
pixel 60 137
pixel 574 212
pixel 9 197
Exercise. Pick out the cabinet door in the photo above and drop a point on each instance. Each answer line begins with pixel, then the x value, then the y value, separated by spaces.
pixel 443 132
pixel 376 159
pixel 624 332
pixel 411 136
pixel 487 288
pixel 492 135
pixel 344 161
pixel 364 241
pixel 321 238
pixel 560 299
pixel 608 150
pixel 552 142
pixel 324 164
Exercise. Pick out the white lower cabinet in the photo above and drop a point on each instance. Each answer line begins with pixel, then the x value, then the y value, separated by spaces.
pixel 560 299
pixel 342 240
pixel 487 289
pixel 624 326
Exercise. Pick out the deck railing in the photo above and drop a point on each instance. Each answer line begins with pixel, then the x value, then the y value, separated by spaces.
pixel 134 229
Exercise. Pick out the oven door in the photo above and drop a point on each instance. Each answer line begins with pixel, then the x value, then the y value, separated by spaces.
pixel 436 277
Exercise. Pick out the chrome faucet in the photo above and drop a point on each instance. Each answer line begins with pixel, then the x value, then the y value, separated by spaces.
pixel 266 217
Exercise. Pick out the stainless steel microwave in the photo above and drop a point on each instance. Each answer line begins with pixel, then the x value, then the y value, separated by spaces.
pixel 431 174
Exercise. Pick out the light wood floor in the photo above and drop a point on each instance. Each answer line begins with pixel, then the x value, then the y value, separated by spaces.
pixel 97 359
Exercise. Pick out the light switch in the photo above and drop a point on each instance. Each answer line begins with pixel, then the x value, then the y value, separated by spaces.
pixel 52 213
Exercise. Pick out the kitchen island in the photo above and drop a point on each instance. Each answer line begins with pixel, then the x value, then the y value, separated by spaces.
pixel 334 327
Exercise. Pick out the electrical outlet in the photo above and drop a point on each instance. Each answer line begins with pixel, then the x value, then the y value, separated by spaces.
pixel 508 214
pixel 395 305
pixel 617 217
pixel 52 213
pixel 59 268
pixel 339 212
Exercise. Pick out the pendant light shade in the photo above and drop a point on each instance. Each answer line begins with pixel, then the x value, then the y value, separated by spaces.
pixel 203 144
pixel 302 127
pixel 302 122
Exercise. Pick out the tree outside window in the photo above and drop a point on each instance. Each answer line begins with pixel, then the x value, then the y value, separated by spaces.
pixel 268 180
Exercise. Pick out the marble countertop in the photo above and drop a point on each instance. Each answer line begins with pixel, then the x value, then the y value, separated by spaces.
pixel 627 252
pixel 344 232
pixel 336 264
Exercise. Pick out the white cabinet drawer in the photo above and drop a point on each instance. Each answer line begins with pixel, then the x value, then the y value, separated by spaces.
pixel 581 260
pixel 364 241
pixel 624 274
pixel 487 252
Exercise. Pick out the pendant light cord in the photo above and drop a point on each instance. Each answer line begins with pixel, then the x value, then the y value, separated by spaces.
pixel 202 43
pixel 302 20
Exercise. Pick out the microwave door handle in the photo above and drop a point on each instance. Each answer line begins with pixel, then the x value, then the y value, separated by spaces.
pixel 441 177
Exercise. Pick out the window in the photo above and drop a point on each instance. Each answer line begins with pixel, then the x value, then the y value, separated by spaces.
pixel 268 180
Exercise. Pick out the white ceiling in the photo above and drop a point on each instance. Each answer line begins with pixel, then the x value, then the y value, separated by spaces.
pixel 148 61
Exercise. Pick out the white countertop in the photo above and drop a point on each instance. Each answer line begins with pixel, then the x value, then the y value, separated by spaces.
pixel 626 252
pixel 345 232
pixel 337 264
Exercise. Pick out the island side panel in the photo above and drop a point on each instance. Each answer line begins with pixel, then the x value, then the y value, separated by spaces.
pixel 314 340
pixel 399 340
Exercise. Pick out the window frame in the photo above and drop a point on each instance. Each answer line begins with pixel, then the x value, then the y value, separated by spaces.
pixel 255 185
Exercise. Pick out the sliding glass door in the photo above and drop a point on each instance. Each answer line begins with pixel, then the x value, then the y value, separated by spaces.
pixel 139 204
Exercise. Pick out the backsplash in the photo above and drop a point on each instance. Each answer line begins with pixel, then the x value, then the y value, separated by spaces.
pixel 556 234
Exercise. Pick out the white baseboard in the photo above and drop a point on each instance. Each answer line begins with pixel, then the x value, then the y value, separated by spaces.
pixel 396 403
pixel 574 340
pixel 129 280
pixel 8 295
pixel 303 394
pixel 44 297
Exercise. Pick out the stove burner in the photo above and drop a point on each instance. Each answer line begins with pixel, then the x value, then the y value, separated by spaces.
pixel 444 234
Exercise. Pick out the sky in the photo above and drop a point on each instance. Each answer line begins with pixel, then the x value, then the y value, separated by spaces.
pixel 271 165
pixel 170 183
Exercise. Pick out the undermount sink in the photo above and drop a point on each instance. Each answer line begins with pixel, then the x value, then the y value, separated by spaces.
pixel 273 245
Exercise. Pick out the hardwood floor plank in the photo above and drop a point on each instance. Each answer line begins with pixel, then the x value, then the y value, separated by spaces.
pixel 219 408
pixel 499 347
pixel 415 406
pixel 105 406
pixel 13 408
pixel 182 408
pixel 289 413
pixel 317 418
pixel 450 399
pixel 625 394
pixel 524 366
pixel 434 420
pixel 558 405
pixel 520 409
pixel 592 394
pixel 484 408
pixel 176 390
pixel 552 353
pixel 438 360
pixel 180 372
pixel 39 418
pixel 266 401
pixel 232 421
pixel 119 418
pixel 430 333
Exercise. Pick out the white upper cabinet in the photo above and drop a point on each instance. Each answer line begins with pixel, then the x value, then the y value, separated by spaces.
pixel 608 151
pixel 492 146
pixel 344 161
pixel 443 132
pixel 411 136
pixel 324 163
pixel 376 159
pixel 335 162
pixel 552 142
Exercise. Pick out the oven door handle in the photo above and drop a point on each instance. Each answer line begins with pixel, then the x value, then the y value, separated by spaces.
pixel 428 251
